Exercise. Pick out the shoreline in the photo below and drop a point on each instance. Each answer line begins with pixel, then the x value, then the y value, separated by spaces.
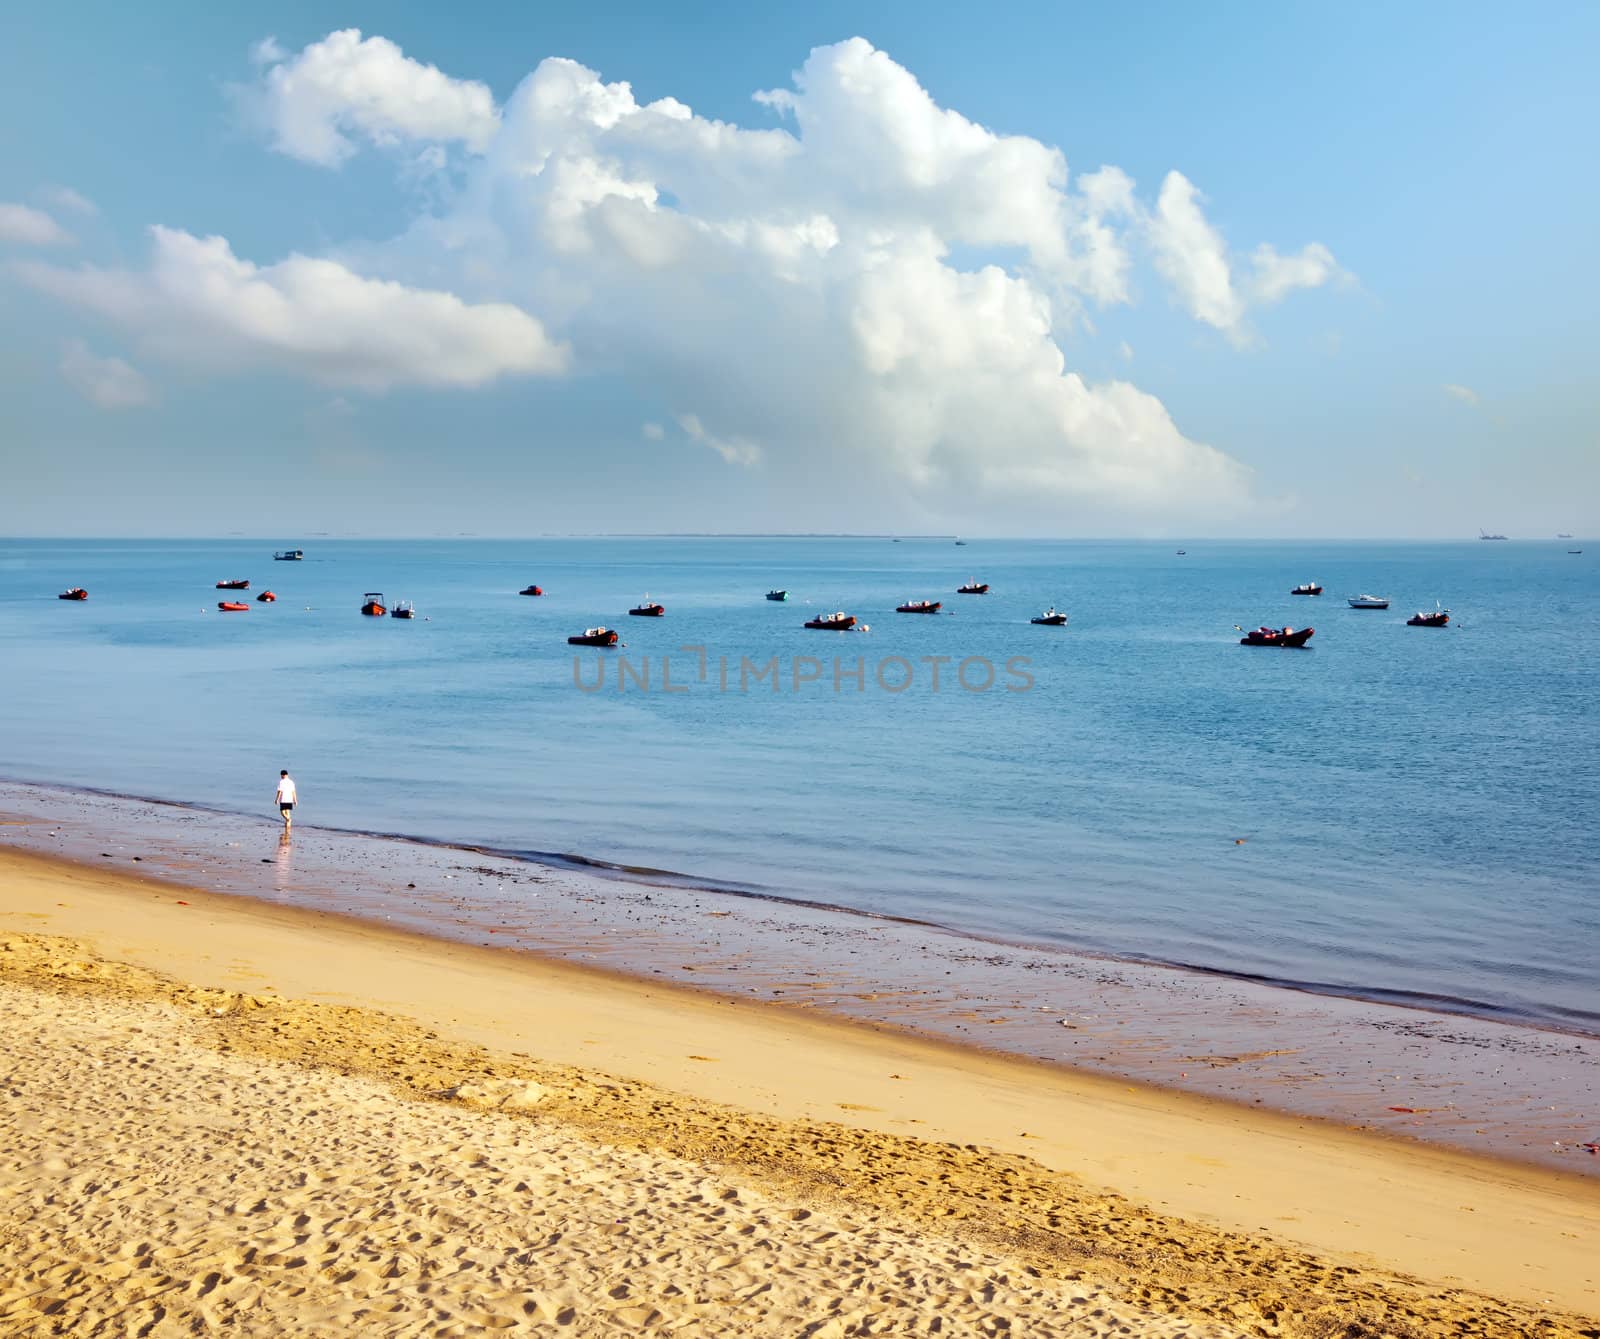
pixel 1385 1207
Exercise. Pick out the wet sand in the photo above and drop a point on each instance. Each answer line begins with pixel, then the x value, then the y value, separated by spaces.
pixel 226 1112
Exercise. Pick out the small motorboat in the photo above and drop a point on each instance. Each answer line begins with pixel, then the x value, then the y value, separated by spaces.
pixel 1368 602
pixel 974 588
pixel 594 637
pixel 777 595
pixel 647 609
pixel 919 607
pixel 1183 553
pixel 1439 618
pixel 233 585
pixel 531 590
pixel 961 543
pixel 839 622
pixel 1309 588
pixel 1277 637
pixel 403 609
pixel 289 556
pixel 1574 551
pixel 266 597
pixel 1051 618
pixel 372 604
pixel 233 606
pixel 76 593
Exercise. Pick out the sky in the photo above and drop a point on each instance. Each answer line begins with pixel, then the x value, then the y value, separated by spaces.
pixel 1057 270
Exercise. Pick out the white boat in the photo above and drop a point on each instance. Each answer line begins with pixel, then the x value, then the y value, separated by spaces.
pixel 290 556
pixel 1368 602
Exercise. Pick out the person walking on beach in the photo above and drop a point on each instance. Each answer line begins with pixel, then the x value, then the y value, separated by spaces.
pixel 286 797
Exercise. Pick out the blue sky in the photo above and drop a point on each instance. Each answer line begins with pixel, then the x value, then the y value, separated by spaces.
pixel 482 340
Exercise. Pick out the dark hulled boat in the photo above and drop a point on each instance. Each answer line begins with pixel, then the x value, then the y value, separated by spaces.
pixel 1439 618
pixel 839 622
pixel 76 593
pixel 777 595
pixel 919 607
pixel 233 585
pixel 594 637
pixel 648 609
pixel 1310 588
pixel 403 609
pixel 1051 618
pixel 1290 637
pixel 531 590
pixel 974 588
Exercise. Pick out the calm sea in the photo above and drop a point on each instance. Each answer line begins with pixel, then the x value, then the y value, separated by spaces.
pixel 1417 806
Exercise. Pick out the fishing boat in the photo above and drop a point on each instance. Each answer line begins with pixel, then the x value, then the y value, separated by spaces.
pixel 1368 602
pixel 1439 618
pixel 594 637
pixel 233 585
pixel 403 609
pixel 974 587
pixel 289 556
pixel 1484 534
pixel 1051 618
pixel 372 604
pixel 76 593
pixel 233 606
pixel 266 597
pixel 839 622
pixel 648 609
pixel 531 590
pixel 919 607
pixel 1309 588
pixel 1291 637
pixel 777 595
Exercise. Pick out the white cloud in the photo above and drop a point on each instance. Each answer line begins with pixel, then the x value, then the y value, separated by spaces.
pixel 652 432
pixel 1273 276
pixel 200 305
pixel 1465 394
pixel 1126 350
pixel 64 197
pixel 110 383
pixel 734 450
pixel 346 85
pixel 26 226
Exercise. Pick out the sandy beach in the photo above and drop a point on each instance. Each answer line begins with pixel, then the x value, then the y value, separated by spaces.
pixel 224 1112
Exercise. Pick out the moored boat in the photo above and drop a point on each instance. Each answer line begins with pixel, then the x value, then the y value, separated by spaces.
pixel 919 607
pixel 1439 618
pixel 777 595
pixel 266 597
pixel 289 556
pixel 836 622
pixel 648 609
pixel 403 609
pixel 237 584
pixel 594 637
pixel 372 604
pixel 1051 618
pixel 76 593
pixel 1289 637
pixel 531 590
pixel 1309 588
pixel 1368 602
pixel 233 606
pixel 974 587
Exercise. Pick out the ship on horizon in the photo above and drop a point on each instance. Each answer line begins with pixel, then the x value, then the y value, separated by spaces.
pixel 1484 534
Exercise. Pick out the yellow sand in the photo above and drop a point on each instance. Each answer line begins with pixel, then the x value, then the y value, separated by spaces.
pixel 345 1130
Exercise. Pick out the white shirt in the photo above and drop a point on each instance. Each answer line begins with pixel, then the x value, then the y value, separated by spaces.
pixel 286 790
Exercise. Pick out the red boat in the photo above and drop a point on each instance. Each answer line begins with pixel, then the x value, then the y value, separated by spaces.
pixel 974 588
pixel 839 622
pixel 372 604
pixel 1438 619
pixel 1277 637
pixel 233 607
pixel 594 637
pixel 233 585
pixel 76 593
pixel 531 590
pixel 1310 588
pixel 648 610
pixel 918 607
pixel 266 597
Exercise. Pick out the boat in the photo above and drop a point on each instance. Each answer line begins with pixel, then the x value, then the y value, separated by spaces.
pixel 777 595
pixel 839 622
pixel 76 593
pixel 531 590
pixel 1368 602
pixel 961 543
pixel 1291 637
pixel 1051 618
pixel 1183 553
pixel 648 609
pixel 233 606
pixel 1574 550
pixel 266 597
pixel 372 604
pixel 1310 588
pixel 918 607
pixel 1564 536
pixel 1483 534
pixel 974 588
pixel 233 585
pixel 594 637
pixel 289 556
pixel 1437 619
pixel 403 609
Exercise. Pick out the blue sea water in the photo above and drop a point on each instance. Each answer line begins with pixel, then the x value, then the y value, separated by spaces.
pixel 1418 806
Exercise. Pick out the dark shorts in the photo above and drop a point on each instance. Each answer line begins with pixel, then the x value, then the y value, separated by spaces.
pixel 285 808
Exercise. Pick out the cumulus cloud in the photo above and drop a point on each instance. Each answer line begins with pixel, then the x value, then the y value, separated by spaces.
pixel 64 197
pixel 110 383
pixel 26 226
pixel 314 103
pixel 201 305
pixel 734 450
